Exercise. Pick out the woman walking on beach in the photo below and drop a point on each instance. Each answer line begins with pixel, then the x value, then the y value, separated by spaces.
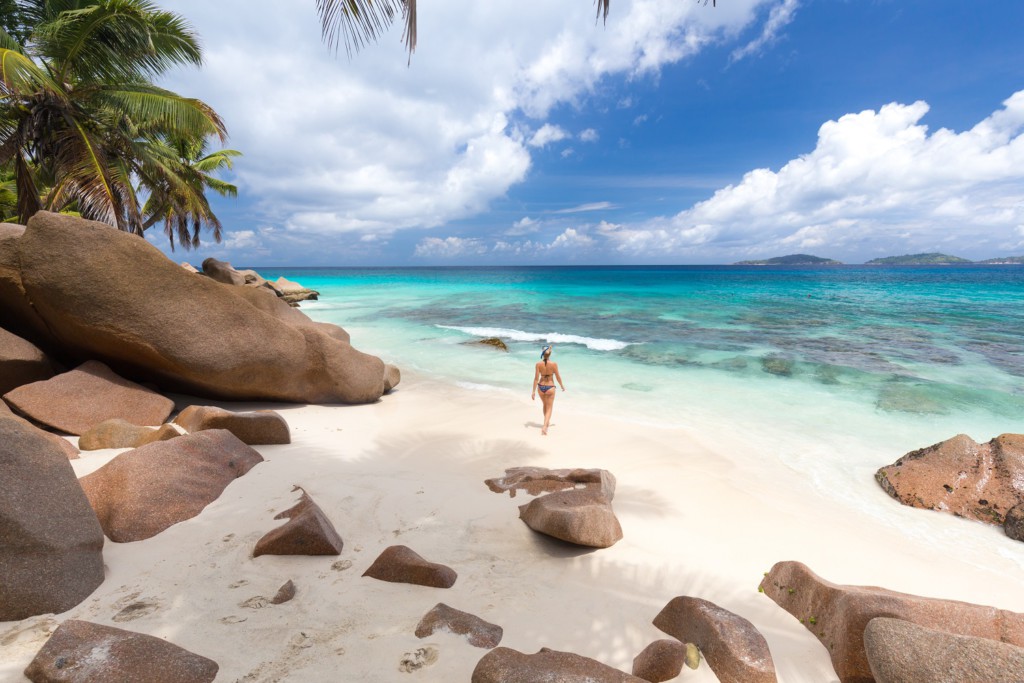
pixel 544 375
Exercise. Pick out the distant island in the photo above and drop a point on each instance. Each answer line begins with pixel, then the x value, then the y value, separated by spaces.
pixel 1004 261
pixel 933 259
pixel 792 260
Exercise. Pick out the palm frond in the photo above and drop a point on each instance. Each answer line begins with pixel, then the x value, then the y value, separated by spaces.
pixel 357 22
pixel 153 108
pixel 28 195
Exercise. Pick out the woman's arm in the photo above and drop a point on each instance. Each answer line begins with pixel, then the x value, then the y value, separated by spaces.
pixel 559 378
pixel 536 376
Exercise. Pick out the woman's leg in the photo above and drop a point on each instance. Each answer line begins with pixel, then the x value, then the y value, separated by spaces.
pixel 548 399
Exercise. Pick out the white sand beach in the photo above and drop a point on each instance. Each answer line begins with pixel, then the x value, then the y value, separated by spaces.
pixel 703 514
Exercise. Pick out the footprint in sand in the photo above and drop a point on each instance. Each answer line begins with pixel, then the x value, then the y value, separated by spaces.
pixel 239 583
pixel 256 602
pixel 418 659
pixel 232 620
pixel 341 565
pixel 137 610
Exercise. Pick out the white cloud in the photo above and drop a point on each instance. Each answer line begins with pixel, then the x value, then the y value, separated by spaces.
pixel 572 239
pixel 589 135
pixel 449 247
pixel 567 152
pixel 547 134
pixel 875 176
pixel 372 145
pixel 593 206
pixel 779 17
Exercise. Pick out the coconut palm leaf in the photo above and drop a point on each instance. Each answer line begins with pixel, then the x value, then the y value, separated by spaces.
pixel 153 108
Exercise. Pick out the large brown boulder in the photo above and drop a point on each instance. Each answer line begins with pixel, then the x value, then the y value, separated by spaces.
pixel 80 651
pixel 580 516
pixel 51 546
pixel 141 492
pixel 902 652
pixel 21 362
pixel 63 444
pixel 221 271
pixel 257 427
pixel 505 665
pixel 1014 524
pixel 660 661
pixel 76 401
pixel 732 646
pixel 837 615
pixel 151 320
pixel 961 476
pixel 402 564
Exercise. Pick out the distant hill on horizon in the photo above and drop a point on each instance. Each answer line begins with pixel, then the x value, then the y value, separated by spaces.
pixel 932 259
pixel 1003 260
pixel 792 260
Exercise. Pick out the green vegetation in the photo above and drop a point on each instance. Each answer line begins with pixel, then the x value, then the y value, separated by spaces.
pixel 792 260
pixel 358 22
pixel 1004 260
pixel 84 130
pixel 933 259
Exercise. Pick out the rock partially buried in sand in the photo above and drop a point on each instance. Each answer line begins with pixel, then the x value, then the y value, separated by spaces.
pixel 307 532
pixel 256 428
pixel 960 476
pixel 583 516
pixel 80 651
pixel 660 661
pixel 537 480
pixel 21 362
pixel 51 546
pixel 285 593
pixel 837 615
pixel 901 652
pixel 151 320
pixel 401 564
pixel 118 433
pixel 733 648
pixel 141 492
pixel 392 377
pixel 76 401
pixel 505 665
pixel 478 632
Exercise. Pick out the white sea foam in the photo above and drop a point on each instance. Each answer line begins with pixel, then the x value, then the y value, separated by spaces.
pixel 549 337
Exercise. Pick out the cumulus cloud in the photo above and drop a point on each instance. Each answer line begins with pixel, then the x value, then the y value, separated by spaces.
pixel 449 247
pixel 589 135
pixel 371 145
pixel 874 176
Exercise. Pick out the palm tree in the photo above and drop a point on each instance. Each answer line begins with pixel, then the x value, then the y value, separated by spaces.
pixel 358 22
pixel 80 116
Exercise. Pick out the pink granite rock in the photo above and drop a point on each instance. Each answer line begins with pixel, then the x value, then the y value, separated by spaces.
pixel 21 362
pixel 504 665
pixel 732 646
pixel 960 476
pixel 537 480
pixel 660 661
pixel 83 652
pixel 901 652
pixel 581 516
pixel 401 564
pixel 118 433
pixel 51 546
pixel 478 632
pixel 285 593
pixel 307 532
pixel 141 492
pixel 258 427
pixel 76 401
pixel 837 615
pixel 63 444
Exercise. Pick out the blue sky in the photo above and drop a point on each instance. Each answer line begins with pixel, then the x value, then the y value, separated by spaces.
pixel 523 133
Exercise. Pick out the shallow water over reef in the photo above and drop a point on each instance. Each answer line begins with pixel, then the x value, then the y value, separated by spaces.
pixel 853 363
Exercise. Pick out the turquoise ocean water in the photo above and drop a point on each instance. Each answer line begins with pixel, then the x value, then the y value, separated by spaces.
pixel 813 365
